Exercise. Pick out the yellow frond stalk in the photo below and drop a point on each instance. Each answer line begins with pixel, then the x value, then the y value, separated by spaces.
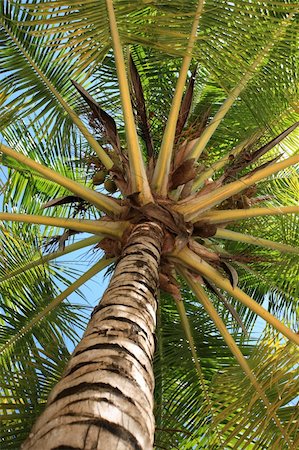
pixel 162 169
pixel 188 333
pixel 227 215
pixel 137 169
pixel 236 91
pixel 101 201
pixel 248 239
pixel 192 208
pixel 218 165
pixel 194 262
pixel 106 160
pixel 96 268
pixel 207 304
pixel 103 228
pixel 46 258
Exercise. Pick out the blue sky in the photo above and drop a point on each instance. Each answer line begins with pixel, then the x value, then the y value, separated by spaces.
pixel 94 288
pixel 81 260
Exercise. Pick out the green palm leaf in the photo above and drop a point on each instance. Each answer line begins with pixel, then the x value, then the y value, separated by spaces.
pixel 219 180
pixel 31 366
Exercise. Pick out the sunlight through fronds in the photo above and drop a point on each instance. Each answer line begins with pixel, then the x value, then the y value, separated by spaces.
pixel 95 269
pixel 198 205
pixel 225 107
pixel 49 257
pixel 201 295
pixel 179 121
pixel 86 133
pixel 191 260
pixel 187 330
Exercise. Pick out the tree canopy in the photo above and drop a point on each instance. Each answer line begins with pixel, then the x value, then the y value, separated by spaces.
pixel 113 105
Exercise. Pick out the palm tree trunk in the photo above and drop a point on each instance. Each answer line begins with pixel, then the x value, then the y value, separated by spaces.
pixel 104 400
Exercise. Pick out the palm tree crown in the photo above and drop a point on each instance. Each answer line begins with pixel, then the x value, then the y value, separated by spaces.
pixel 182 114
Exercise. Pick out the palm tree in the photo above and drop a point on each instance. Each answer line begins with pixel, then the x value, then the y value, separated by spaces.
pixel 167 131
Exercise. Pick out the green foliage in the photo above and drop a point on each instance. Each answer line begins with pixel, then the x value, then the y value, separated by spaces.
pixel 46 44
pixel 31 363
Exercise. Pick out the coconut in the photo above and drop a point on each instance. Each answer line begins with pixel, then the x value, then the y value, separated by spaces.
pixel 99 177
pixel 110 185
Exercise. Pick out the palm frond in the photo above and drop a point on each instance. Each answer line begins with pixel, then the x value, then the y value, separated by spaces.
pixel 181 385
pixel 96 198
pixel 26 65
pixel 240 78
pixel 138 177
pixel 31 367
pixel 274 363
pixel 238 355
pixel 194 262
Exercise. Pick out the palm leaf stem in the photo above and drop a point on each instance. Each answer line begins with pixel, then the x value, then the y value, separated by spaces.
pixel 192 208
pixel 190 260
pixel 97 199
pixel 207 304
pixel 256 155
pixel 162 169
pixel 46 258
pixel 104 228
pixel 95 269
pixel 236 91
pixel 137 169
pixel 248 239
pixel 218 165
pixel 106 160
pixel 227 215
pixel 188 333
pixel 258 275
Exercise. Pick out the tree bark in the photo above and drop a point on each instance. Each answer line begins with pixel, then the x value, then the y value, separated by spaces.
pixel 104 400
